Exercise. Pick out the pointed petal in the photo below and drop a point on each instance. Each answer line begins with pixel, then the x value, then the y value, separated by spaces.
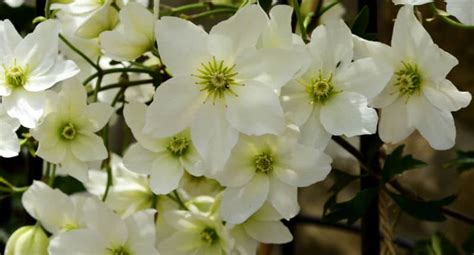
pixel 394 123
pixel 313 132
pixel 284 198
pixel 88 147
pixel 447 96
pixel 268 231
pixel 165 174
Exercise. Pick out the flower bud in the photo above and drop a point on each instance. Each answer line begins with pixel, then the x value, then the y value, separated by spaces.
pixel 28 240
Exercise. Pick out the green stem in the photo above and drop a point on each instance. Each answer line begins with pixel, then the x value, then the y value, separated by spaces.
pixel 117 70
pixel 447 19
pixel 179 200
pixel 106 163
pixel 209 13
pixel 47 9
pixel 80 53
pixel 129 84
pixel 189 7
pixel 300 20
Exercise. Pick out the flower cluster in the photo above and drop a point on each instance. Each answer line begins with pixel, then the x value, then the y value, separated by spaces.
pixel 227 123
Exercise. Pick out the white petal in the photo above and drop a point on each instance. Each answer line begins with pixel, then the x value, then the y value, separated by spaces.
pixel 88 147
pixel 463 10
pixel 139 159
pixel 394 124
pixel 313 133
pixel 333 44
pixel 447 96
pixel 180 243
pixel 9 38
pixel 141 227
pixel 181 220
pixel 182 45
pixel 303 166
pixel 267 213
pixel 98 114
pixel 272 67
pixel 255 110
pixel 436 126
pixel 238 204
pixel 10 145
pixel 101 20
pixel 347 114
pixel 365 48
pixel 268 231
pixel 60 71
pixel 54 153
pixel 279 32
pixel 213 136
pixel 78 242
pixel 165 174
pixel 74 167
pixel 239 169
pixel 241 31
pixel 27 107
pixel 366 76
pixel 243 242
pixel 284 198
pixel 174 107
pixel 295 101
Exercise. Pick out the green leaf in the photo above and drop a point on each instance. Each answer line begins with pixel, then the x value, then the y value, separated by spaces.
pixel 464 161
pixel 341 180
pixel 437 245
pixel 353 209
pixel 266 4
pixel 423 210
pixel 360 23
pixel 396 164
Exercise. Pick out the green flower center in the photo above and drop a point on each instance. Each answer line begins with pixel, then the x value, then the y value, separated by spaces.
pixel 15 76
pixel 178 146
pixel 209 235
pixel 216 79
pixel 264 163
pixel 119 251
pixel 408 79
pixel 320 89
pixel 68 132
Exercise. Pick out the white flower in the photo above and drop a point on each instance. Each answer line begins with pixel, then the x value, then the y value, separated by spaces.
pixel 66 136
pixel 195 234
pixel 134 35
pixel 278 33
pixel 54 210
pixel 10 145
pixel 336 12
pixel 222 85
pixel 106 233
pixel 14 3
pixel 463 10
pixel 268 168
pixel 262 227
pixel 164 159
pixel 412 2
pixel 30 66
pixel 418 96
pixel 330 98
pixel 129 193
pixel 92 16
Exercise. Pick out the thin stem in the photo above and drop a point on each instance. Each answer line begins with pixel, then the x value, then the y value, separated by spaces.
pixel 98 85
pixel 117 70
pixel 129 84
pixel 52 176
pixel 80 53
pixel 109 182
pixel 179 200
pixel 47 7
pixel 195 6
pixel 156 8
pixel 209 13
pixel 447 19
pixel 300 20
pixel 106 163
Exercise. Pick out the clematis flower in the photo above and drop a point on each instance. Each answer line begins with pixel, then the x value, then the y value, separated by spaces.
pixel 331 96
pixel 53 209
pixel 195 233
pixel 262 227
pixel 164 159
pixel 268 168
pixel 463 10
pixel 66 136
pixel 418 96
pixel 30 66
pixel 278 32
pixel 14 3
pixel 10 145
pixel 222 85
pixel 412 2
pixel 130 192
pixel 134 35
pixel 107 233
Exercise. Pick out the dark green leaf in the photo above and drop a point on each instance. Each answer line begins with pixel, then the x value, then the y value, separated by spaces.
pixel 353 209
pixel 396 164
pixel 464 161
pixel 360 23
pixel 424 210
pixel 437 245
pixel 266 4
pixel 341 180
pixel 68 184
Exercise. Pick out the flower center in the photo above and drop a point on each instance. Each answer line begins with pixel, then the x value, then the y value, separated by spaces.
pixel 209 235
pixel 68 131
pixel 178 145
pixel 15 76
pixel 264 163
pixel 69 226
pixel 119 251
pixel 216 79
pixel 320 89
pixel 408 79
